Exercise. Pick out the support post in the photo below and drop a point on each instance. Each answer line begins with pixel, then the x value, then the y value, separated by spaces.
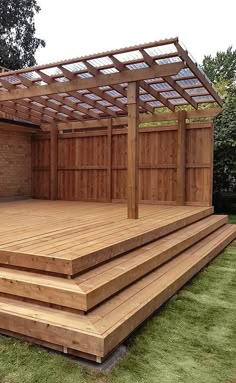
pixel 109 161
pixel 53 162
pixel 180 189
pixel 133 149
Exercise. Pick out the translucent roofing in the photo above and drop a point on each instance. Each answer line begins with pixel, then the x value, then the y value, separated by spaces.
pixel 95 87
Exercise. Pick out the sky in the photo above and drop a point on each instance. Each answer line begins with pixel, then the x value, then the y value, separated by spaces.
pixel 73 28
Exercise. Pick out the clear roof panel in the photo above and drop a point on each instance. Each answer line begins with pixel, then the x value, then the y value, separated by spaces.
pixel 124 65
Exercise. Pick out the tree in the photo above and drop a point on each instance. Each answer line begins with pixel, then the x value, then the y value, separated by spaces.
pixel 222 67
pixel 18 43
pixel 225 146
pixel 221 70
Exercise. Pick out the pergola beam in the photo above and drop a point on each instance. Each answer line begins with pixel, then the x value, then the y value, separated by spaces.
pixel 143 118
pixel 93 82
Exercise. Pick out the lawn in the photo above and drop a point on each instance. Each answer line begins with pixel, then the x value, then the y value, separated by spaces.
pixel 192 339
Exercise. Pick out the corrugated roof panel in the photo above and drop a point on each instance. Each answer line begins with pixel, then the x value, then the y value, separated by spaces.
pixel 85 105
pixel 104 102
pixel 62 79
pixel 124 100
pixel 193 91
pixel 146 97
pixel 11 79
pixel 113 93
pixel 109 70
pixel 161 50
pixel 176 101
pixel 114 108
pixel 207 98
pixel 168 60
pixel 100 62
pixel 137 66
pixel 160 86
pixel 93 96
pixel 31 75
pixel 189 82
pixel 52 71
pixel 172 93
pixel 54 101
pixel 155 103
pixel 186 72
pixel 128 56
pixel 85 75
pixel 75 67
pixel 72 99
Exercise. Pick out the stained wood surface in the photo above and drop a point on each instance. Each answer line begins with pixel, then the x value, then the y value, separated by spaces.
pixel 89 170
pixel 100 331
pixel 69 237
pixel 92 287
pixel 133 150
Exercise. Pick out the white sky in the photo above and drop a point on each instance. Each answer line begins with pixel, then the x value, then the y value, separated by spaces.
pixel 73 28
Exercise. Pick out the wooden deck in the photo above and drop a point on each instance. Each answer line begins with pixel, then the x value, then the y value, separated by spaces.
pixel 127 268
pixel 68 237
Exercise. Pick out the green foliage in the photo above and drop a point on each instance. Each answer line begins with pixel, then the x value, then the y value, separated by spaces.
pixel 18 43
pixel 221 70
pixel 225 146
pixel 222 67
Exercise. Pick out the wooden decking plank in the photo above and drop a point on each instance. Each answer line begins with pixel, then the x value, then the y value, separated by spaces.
pixel 106 326
pixel 100 221
pixel 113 304
pixel 152 285
pixel 24 251
pixel 94 286
pixel 114 227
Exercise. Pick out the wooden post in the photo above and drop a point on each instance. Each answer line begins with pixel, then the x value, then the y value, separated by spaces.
pixel 133 149
pixel 180 189
pixel 109 161
pixel 53 162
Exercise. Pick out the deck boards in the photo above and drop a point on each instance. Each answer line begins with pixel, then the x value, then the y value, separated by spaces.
pixel 68 237
pixel 109 324
pixel 92 287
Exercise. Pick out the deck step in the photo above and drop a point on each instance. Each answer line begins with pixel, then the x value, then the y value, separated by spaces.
pixel 91 288
pixel 74 249
pixel 106 326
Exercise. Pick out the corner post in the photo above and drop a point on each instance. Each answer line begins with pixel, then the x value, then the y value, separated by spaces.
pixel 109 161
pixel 133 149
pixel 180 189
pixel 53 161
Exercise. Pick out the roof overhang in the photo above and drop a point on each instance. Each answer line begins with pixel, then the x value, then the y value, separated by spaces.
pixel 95 87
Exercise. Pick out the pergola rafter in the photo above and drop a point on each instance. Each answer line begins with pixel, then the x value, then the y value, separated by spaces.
pixel 95 86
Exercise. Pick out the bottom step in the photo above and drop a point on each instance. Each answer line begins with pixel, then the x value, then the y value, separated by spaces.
pixel 105 327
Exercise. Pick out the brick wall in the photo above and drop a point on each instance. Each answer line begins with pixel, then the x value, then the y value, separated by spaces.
pixel 15 164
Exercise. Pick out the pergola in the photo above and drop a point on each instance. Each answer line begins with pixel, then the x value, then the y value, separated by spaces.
pixel 117 88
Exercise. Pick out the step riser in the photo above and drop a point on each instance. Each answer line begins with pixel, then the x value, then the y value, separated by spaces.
pixel 100 335
pixel 123 331
pixel 78 299
pixel 109 252
pixel 119 283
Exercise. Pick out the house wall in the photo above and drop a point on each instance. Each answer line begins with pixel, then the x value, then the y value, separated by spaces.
pixel 15 164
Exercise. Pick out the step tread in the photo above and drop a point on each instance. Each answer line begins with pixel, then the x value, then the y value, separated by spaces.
pixel 79 248
pixel 112 321
pixel 98 284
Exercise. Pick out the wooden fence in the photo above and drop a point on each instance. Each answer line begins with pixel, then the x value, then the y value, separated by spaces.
pixel 92 166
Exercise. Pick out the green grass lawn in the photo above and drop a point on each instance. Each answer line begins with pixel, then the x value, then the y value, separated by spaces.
pixel 192 339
